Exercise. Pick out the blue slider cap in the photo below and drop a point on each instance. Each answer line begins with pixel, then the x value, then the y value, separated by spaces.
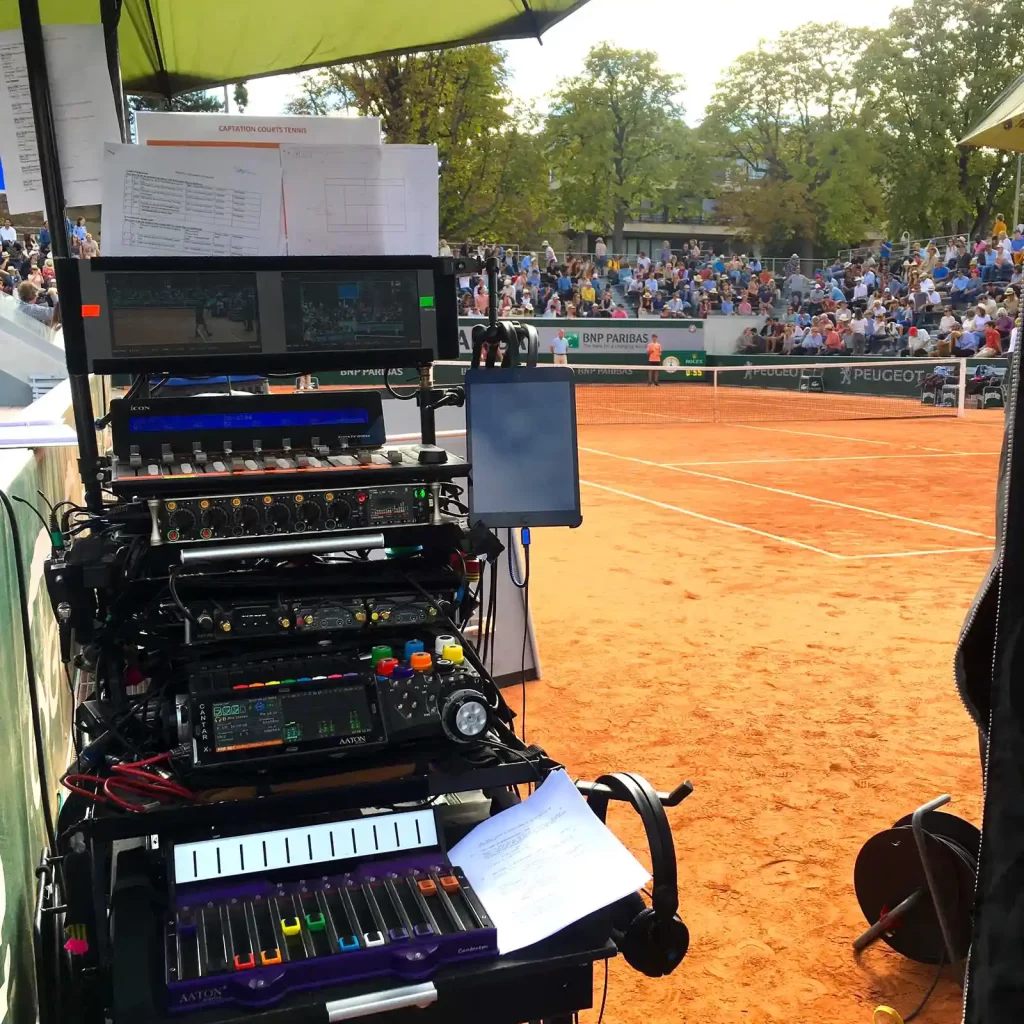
pixel 347 942
pixel 305 679
pixel 524 536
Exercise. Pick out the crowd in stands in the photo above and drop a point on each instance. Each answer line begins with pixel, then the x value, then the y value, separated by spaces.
pixel 26 267
pixel 963 301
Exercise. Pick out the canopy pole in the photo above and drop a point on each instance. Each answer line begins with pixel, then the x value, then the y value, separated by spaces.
pixel 1016 195
pixel 110 16
pixel 53 194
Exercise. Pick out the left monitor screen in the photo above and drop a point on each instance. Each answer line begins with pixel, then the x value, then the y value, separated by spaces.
pixel 181 314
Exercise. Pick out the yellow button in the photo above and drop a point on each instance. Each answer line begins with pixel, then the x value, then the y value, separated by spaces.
pixel 236 502
pixel 453 653
pixel 290 926
pixel 204 504
pixel 171 506
pixel 273 682
pixel 360 616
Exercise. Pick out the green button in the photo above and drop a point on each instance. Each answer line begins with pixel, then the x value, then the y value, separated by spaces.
pixel 426 301
pixel 315 923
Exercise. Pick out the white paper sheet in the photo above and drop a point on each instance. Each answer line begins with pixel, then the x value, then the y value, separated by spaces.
pixel 545 863
pixel 83 109
pixel 171 201
pixel 360 200
pixel 160 127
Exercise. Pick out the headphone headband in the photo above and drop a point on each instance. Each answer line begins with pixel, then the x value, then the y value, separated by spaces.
pixel 636 790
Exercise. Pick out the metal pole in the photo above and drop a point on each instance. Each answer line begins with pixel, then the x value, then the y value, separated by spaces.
pixel 1016 195
pixel 53 192
pixel 110 15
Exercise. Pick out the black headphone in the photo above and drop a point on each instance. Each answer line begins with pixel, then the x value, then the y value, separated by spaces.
pixel 652 939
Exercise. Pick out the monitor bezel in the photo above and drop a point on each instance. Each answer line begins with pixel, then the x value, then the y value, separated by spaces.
pixel 73 274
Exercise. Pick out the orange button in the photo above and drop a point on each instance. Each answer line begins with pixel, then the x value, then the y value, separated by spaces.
pixel 449 883
pixel 427 887
pixel 420 661
pixel 270 958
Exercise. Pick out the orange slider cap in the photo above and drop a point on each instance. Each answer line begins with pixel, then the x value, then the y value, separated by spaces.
pixel 426 886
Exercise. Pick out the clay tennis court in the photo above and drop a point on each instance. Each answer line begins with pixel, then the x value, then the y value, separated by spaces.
pixel 771 611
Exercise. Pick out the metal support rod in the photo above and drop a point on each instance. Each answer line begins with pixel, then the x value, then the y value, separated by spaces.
pixel 1016 194
pixel 887 921
pixel 428 428
pixel 110 16
pixel 916 824
pixel 281 548
pixel 53 193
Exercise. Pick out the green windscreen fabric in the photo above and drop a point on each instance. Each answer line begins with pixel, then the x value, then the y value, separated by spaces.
pixel 173 46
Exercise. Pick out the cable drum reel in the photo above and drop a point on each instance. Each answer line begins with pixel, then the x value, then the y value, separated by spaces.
pixel 915 883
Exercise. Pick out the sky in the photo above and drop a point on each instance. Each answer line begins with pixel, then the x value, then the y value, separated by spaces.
pixel 689 40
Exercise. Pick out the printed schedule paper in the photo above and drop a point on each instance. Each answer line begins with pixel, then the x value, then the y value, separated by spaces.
pixel 361 200
pixel 83 109
pixel 172 201
pixel 545 863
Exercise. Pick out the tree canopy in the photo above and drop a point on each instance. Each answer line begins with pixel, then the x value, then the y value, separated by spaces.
pixel 494 181
pixel 816 139
pixel 616 138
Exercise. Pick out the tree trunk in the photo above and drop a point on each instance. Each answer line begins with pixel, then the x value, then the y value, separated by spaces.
pixel 618 235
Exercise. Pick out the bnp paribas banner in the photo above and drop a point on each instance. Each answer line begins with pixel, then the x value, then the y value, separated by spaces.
pixel 622 341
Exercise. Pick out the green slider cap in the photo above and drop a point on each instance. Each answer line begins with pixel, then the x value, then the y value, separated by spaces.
pixel 315 922
pixel 427 301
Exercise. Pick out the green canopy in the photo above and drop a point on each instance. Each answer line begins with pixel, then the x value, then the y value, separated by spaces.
pixel 173 46
pixel 1002 127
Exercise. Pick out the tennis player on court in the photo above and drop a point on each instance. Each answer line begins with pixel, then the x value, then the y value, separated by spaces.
pixel 653 360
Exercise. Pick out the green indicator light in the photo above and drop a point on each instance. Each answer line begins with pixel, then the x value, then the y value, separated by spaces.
pixel 426 301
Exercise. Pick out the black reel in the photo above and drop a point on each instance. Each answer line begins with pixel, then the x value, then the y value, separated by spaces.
pixel 889 873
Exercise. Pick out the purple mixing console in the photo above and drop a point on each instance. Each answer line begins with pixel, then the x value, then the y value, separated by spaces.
pixel 251 942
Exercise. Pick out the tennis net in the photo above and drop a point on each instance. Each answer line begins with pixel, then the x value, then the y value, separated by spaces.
pixel 790 390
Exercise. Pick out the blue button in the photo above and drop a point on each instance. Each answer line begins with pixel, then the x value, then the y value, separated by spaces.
pixel 304 679
pixel 347 942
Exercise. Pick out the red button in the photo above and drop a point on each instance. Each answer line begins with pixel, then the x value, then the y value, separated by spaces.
pixel 89 309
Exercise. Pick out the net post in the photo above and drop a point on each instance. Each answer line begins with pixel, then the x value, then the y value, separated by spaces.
pixel 714 394
pixel 961 391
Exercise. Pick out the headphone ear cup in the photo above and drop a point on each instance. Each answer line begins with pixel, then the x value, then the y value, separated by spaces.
pixel 654 947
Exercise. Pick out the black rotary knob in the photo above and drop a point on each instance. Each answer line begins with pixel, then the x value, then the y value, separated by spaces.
pixel 247 517
pixel 339 510
pixel 182 520
pixel 309 512
pixel 278 515
pixel 215 518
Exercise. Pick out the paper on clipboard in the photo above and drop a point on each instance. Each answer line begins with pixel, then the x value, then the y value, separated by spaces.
pixel 545 863
pixel 361 200
pixel 83 109
pixel 191 202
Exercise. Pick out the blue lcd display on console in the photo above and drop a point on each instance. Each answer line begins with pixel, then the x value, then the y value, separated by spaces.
pixel 246 420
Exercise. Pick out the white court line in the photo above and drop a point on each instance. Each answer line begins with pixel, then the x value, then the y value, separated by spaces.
pixel 711 519
pixel 841 437
pixel 913 554
pixel 791 494
pixel 829 458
